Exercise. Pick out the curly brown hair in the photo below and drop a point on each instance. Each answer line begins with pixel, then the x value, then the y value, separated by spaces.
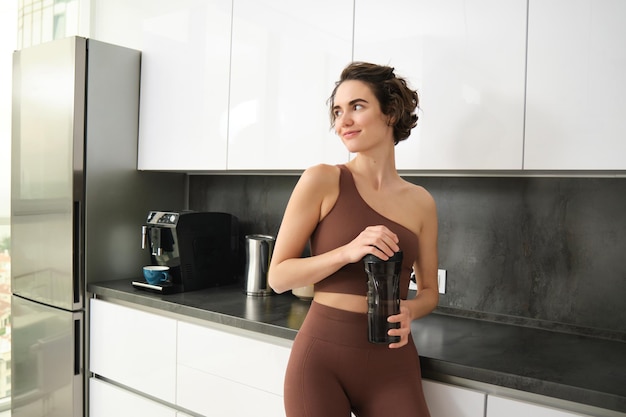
pixel 396 99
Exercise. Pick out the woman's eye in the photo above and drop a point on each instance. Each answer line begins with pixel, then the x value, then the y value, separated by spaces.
pixel 358 106
pixel 337 113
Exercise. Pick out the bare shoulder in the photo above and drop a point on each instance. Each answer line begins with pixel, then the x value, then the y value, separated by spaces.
pixel 319 179
pixel 419 196
pixel 321 184
pixel 321 174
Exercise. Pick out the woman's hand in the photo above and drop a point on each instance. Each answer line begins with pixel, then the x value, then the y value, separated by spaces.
pixel 375 240
pixel 404 318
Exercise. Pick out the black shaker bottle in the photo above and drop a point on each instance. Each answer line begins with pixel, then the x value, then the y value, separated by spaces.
pixel 383 296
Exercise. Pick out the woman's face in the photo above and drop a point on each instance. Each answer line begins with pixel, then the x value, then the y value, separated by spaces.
pixel 359 121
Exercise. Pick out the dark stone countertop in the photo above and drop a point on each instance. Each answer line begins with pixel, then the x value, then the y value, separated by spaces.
pixel 576 368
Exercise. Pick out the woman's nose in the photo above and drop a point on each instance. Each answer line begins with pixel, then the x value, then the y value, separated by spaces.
pixel 343 120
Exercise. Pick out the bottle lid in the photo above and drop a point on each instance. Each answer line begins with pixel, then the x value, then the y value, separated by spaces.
pixel 397 257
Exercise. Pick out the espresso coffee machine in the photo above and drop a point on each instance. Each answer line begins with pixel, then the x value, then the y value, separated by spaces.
pixel 200 248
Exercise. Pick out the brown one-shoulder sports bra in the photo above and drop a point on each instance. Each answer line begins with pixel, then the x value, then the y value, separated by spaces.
pixel 349 217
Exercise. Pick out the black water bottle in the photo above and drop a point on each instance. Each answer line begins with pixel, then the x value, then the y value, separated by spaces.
pixel 383 296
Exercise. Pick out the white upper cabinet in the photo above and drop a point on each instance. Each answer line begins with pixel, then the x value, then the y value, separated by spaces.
pixel 467 61
pixel 184 87
pixel 183 116
pixel 575 117
pixel 286 57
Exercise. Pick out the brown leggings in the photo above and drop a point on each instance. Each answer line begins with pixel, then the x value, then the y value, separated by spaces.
pixel 333 370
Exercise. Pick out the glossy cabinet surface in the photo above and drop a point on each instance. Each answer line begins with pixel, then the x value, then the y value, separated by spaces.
pixel 183 117
pixel 204 370
pixel 243 85
pixel 505 407
pixel 576 85
pixel 134 348
pixel 208 395
pixel 286 57
pixel 107 400
pixel 467 61
pixel 185 45
pixel 243 359
pixel 217 369
pixel 446 400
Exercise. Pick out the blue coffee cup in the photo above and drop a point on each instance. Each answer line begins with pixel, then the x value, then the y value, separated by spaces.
pixel 156 274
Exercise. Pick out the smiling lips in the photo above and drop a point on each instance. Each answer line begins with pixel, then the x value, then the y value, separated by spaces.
pixel 350 134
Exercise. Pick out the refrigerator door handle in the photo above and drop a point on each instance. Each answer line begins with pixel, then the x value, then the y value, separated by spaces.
pixel 77 272
pixel 78 344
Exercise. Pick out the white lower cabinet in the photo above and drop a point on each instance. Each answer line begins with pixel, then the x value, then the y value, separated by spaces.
pixel 145 364
pixel 210 395
pixel 446 400
pixel 133 348
pixel 200 369
pixel 507 407
pixel 222 372
pixel 107 400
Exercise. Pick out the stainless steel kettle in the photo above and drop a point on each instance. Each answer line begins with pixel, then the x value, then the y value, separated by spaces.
pixel 259 250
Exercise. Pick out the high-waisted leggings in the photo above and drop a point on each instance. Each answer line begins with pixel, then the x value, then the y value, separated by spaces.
pixel 334 370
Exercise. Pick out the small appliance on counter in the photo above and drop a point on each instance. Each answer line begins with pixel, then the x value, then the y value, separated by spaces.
pixel 259 250
pixel 201 249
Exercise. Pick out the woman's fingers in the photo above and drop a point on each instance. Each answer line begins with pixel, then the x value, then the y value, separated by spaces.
pixel 404 331
pixel 381 239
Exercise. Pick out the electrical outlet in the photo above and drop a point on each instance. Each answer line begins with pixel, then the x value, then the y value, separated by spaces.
pixel 441 280
pixel 412 283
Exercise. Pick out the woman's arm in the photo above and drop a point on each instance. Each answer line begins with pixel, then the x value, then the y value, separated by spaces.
pixel 426 265
pixel 425 268
pixel 287 268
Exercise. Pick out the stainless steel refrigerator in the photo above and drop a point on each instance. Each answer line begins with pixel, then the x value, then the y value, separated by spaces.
pixel 78 203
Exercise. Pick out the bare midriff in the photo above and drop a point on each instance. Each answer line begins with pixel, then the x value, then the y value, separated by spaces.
pixel 349 302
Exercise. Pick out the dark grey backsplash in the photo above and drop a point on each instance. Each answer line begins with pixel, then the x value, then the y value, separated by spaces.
pixel 545 250
pixel 258 201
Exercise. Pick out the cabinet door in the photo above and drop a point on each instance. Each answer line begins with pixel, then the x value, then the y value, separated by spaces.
pixel 217 369
pixel 505 407
pixel 185 48
pixel 211 395
pixel 184 85
pixel 106 400
pixel 447 400
pixel 286 57
pixel 467 61
pixel 133 348
pixel 576 85
pixel 245 360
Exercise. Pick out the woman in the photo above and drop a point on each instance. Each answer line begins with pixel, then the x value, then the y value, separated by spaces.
pixel 349 211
